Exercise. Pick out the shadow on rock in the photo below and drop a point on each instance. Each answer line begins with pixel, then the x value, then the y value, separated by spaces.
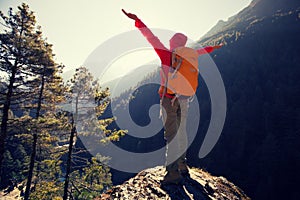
pixel 190 189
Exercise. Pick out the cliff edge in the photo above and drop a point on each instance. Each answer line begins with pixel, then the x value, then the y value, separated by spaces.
pixel 200 185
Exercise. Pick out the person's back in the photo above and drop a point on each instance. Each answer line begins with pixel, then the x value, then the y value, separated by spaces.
pixel 183 74
pixel 177 85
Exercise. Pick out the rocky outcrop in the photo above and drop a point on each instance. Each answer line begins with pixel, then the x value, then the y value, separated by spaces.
pixel 200 185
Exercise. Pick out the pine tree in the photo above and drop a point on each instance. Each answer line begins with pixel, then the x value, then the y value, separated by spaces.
pixel 46 74
pixel 93 180
pixel 21 52
pixel 89 102
pixel 33 85
pixel 8 167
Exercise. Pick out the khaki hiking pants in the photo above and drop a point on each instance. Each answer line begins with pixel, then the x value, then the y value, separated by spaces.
pixel 174 119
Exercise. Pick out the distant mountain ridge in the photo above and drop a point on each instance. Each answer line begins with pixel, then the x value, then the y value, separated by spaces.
pixel 257 10
pixel 131 79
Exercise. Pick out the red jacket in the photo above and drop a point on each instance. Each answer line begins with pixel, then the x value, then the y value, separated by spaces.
pixel 164 53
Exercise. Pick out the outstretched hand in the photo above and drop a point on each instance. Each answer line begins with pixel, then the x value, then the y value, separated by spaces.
pixel 130 15
pixel 218 46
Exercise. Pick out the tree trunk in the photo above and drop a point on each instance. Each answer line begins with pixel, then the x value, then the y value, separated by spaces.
pixel 69 161
pixel 31 167
pixel 5 111
pixel 34 144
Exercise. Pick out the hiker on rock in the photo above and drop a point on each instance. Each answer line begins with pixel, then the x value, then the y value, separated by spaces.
pixel 179 80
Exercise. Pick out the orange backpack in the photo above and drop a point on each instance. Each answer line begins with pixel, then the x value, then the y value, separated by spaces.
pixel 183 75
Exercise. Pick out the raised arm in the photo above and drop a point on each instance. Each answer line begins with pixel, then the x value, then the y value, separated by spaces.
pixel 208 49
pixel 152 39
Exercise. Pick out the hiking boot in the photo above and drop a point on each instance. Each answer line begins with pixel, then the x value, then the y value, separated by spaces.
pixel 183 169
pixel 185 173
pixel 172 177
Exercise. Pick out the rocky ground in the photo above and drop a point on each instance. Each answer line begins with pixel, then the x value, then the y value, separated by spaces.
pixel 11 195
pixel 200 185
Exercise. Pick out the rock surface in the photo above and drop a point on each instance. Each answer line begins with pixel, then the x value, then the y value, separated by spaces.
pixel 200 185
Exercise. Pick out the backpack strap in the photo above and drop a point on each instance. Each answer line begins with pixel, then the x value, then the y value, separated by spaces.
pixel 163 94
pixel 173 57
pixel 174 60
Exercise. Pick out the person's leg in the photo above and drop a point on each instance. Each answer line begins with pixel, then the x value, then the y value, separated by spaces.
pixel 171 128
pixel 182 135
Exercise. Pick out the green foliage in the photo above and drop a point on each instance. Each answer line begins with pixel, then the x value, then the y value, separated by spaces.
pixel 35 88
pixel 48 184
pixel 90 102
pixel 32 91
pixel 94 179
pixel 15 164
pixel 8 164
pixel 47 190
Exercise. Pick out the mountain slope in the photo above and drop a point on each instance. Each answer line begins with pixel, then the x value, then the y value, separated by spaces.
pixel 255 12
pixel 259 63
pixel 201 185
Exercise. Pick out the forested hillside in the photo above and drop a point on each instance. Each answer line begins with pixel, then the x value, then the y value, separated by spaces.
pixel 40 157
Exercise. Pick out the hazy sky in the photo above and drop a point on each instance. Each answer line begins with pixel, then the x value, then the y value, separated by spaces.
pixel 77 27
